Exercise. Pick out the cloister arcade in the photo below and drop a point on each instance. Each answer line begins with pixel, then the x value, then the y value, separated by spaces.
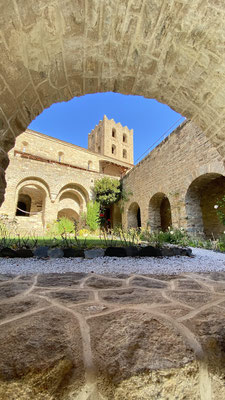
pixel 35 206
pixel 201 199
pixel 159 212
pixel 199 203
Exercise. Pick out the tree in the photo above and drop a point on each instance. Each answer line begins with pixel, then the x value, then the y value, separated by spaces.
pixel 107 191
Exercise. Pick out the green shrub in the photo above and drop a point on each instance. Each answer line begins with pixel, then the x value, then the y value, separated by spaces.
pixel 92 217
pixel 61 226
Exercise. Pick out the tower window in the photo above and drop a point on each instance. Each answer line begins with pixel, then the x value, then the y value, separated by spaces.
pixel 124 153
pixel 99 149
pixel 60 156
pixel 124 138
pixel 113 133
pixel 24 147
pixel 113 149
pixel 90 165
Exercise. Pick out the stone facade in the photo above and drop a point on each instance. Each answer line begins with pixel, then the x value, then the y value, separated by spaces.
pixel 53 50
pixel 177 184
pixel 49 178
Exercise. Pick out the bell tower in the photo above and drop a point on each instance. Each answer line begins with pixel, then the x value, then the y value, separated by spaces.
pixel 113 140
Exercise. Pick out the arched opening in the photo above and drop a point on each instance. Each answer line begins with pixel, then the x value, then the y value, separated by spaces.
pixel 68 213
pixel 160 218
pixel 202 195
pixel 71 200
pixel 30 206
pixel 23 205
pixel 124 153
pixel 134 216
pixel 76 189
pixel 124 138
pixel 174 72
pixel 114 133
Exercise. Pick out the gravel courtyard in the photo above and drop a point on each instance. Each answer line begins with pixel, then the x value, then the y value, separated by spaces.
pixel 202 261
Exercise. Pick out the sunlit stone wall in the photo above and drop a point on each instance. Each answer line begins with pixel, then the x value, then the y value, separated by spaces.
pixel 169 170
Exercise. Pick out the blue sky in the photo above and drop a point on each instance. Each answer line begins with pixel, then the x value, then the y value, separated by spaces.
pixel 73 120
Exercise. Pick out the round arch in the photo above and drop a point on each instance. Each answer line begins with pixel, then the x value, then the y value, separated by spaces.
pixel 201 197
pixel 160 218
pixel 68 213
pixel 32 180
pixel 81 192
pixel 160 63
pixel 134 216
pixel 31 199
pixel 71 199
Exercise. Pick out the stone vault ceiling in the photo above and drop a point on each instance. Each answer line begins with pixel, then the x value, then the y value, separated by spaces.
pixel 53 50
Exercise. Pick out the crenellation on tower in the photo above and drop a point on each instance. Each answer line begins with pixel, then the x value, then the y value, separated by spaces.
pixel 113 140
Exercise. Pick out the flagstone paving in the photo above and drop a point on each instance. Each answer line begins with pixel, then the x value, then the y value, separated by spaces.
pixel 88 336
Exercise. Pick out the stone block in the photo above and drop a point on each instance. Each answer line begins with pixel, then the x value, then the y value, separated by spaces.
pixel 93 253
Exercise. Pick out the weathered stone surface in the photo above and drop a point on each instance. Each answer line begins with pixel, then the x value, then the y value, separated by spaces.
pixel 70 296
pixel 93 253
pixel 55 253
pixel 150 283
pixel 11 289
pixel 133 296
pixel 41 252
pixel 54 279
pixel 70 252
pixel 134 348
pixel 61 338
pixel 103 283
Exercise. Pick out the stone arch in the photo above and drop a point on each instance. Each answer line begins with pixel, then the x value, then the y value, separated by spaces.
pixel 48 64
pixel 159 212
pixel 201 197
pixel 71 199
pixel 68 213
pixel 31 195
pixel 75 194
pixel 33 180
pixel 134 216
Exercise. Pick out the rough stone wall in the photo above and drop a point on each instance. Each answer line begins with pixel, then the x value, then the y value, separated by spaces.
pixel 53 50
pixel 169 170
